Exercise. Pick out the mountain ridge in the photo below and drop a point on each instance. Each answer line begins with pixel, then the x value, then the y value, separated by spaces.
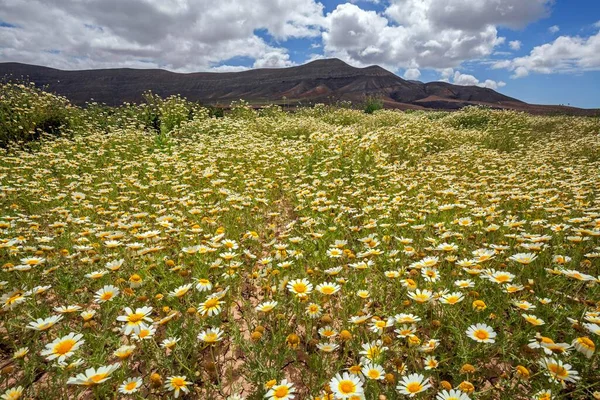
pixel 325 80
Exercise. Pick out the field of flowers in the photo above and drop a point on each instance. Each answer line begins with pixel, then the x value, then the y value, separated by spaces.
pixel 322 254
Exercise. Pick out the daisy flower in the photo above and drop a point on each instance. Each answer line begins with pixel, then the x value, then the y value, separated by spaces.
pixel 283 391
pixel 559 371
pixel 13 393
pixel 421 296
pixel 533 320
pixel 180 291
pixel 41 324
pixel 413 384
pixel 107 293
pixel 212 306
pixel 93 376
pixel 134 320
pixel 373 371
pixel 210 336
pixel 266 306
pixel 452 395
pixel 328 288
pixel 327 347
pixel 481 333
pixel 346 386
pixel 177 384
pixel 585 346
pixel 130 385
pixel 64 347
pixel 300 286
pixel 523 258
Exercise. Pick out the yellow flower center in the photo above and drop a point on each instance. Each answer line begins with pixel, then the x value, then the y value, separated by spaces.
pixel 136 317
pixel 373 374
pixel 414 387
pixel 346 387
pixel 211 303
pixel 281 391
pixel 327 290
pixel 64 347
pixel 97 378
pixel 482 334
pixel 558 371
pixel 178 382
pixel 106 296
pixel 299 287
pixel 210 337
pixel 131 385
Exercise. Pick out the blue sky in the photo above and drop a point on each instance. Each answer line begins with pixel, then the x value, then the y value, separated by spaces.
pixel 540 51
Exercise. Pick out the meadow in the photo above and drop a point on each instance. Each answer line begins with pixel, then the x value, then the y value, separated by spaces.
pixel 157 251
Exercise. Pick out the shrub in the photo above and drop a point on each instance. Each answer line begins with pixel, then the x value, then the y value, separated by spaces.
pixel 372 104
pixel 27 112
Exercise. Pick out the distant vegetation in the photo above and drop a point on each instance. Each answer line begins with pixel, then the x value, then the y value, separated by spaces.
pixel 28 113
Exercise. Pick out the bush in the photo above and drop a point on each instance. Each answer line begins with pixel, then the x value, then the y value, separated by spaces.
pixel 27 112
pixel 372 104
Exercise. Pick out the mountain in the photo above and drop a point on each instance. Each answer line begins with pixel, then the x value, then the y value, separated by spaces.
pixel 320 81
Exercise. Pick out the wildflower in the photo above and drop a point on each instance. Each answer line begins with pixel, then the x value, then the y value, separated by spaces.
pixel 203 285
pixel 134 320
pixel 481 333
pixel 328 288
pixel 266 306
pixel 523 258
pixel 176 384
pixel 559 371
pixel 124 352
pixel 211 336
pixel 212 306
pixel 413 384
pixel 283 391
pixel 93 376
pixel 346 386
pixel 585 346
pixel 300 286
pixel 44 324
pixel 13 393
pixel 64 347
pixel 130 385
pixel 107 293
pixel 180 291
pixel 452 395
pixel 373 371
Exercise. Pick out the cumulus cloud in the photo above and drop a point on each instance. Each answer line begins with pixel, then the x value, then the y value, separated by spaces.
pixel 425 33
pixel 459 78
pixel 554 29
pixel 515 45
pixel 566 54
pixel 412 74
pixel 179 35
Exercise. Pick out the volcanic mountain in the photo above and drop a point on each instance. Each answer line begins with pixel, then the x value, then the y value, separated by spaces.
pixel 320 81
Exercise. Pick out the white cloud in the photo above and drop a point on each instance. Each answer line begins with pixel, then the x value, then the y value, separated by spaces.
pixel 183 35
pixel 554 29
pixel 273 59
pixel 412 74
pixel 515 45
pixel 425 33
pixel 566 54
pixel 470 15
pixel 469 80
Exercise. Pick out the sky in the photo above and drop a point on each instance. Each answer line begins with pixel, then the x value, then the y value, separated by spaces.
pixel 540 51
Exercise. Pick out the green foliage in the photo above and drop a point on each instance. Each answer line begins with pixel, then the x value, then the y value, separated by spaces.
pixel 242 110
pixel 27 112
pixel 372 104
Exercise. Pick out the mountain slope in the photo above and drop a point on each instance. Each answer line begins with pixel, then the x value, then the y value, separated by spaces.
pixel 318 81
